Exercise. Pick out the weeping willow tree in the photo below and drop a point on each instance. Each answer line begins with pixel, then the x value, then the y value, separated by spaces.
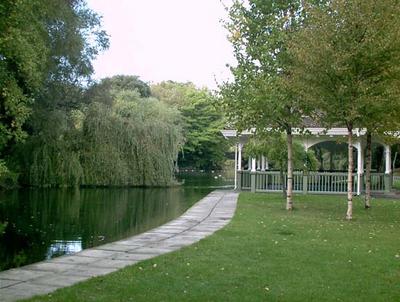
pixel 51 157
pixel 133 142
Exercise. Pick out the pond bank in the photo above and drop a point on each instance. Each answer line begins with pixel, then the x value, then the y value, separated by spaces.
pixel 207 216
pixel 47 223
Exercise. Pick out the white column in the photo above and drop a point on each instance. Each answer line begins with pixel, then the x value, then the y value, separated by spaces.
pixel 266 164
pixel 360 167
pixel 262 163
pixel 388 164
pixel 249 164
pixel 258 164
pixel 253 165
pixel 239 166
pixel 236 165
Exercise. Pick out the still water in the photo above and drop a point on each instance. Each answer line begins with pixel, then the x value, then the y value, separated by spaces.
pixel 46 223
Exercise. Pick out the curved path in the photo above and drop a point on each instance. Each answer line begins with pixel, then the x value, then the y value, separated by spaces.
pixel 207 216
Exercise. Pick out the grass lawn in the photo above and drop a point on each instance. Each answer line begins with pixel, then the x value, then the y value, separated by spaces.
pixel 268 254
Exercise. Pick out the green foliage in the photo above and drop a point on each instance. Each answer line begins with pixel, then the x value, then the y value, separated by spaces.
pixel 2 227
pixel 8 179
pixel 42 42
pixel 50 157
pixel 173 93
pixel 107 88
pixel 259 97
pixel 273 146
pixel 76 37
pixel 133 142
pixel 345 61
pixel 204 146
pixel 23 54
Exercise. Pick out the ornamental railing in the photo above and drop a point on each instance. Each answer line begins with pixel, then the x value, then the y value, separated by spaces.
pixel 312 182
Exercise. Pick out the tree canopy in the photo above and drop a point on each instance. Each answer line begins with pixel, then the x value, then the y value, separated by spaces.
pixel 345 63
pixel 204 146
pixel 133 141
pixel 104 91
pixel 42 42
pixel 259 97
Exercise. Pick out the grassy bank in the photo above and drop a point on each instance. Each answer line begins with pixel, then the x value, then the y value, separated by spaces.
pixel 268 254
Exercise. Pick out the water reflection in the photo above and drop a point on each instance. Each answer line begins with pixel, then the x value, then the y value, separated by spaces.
pixel 61 247
pixel 47 223
pixel 213 179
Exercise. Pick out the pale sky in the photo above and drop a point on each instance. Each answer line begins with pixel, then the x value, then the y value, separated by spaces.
pixel 157 40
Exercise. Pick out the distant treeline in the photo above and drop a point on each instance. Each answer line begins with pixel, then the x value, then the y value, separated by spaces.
pixel 119 134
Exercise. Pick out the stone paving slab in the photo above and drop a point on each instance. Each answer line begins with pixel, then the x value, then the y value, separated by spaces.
pixel 49 266
pixel 20 274
pixel 8 283
pixel 73 259
pixel 94 253
pixel 134 257
pixel 89 271
pixel 112 263
pixel 59 280
pixel 25 290
pixel 207 216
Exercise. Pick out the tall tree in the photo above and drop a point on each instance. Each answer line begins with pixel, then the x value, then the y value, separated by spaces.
pixel 46 48
pixel 345 59
pixel 259 97
pixel 381 117
pixel 204 146
pixel 23 56
pixel 105 90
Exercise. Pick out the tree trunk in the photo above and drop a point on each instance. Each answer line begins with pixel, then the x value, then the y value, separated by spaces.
pixel 349 214
pixel 289 191
pixel 368 163
pixel 283 182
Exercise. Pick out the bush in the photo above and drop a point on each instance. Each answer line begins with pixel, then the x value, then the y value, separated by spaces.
pixel 8 179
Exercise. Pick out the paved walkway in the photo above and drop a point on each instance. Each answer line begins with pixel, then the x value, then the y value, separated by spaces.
pixel 207 216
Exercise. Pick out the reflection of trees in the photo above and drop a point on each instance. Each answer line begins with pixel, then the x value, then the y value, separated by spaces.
pixel 39 218
pixel 33 222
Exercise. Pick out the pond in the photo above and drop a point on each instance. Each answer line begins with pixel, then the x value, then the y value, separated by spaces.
pixel 46 223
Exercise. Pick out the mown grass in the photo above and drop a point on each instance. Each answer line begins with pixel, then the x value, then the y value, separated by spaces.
pixel 268 254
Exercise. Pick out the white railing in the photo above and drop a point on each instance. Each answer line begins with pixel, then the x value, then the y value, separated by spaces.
pixel 377 182
pixel 272 181
pixel 313 182
pixel 327 182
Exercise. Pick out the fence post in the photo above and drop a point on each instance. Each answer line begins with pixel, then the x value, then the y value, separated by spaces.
pixel 253 181
pixel 361 183
pixel 239 181
pixel 388 186
pixel 305 183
